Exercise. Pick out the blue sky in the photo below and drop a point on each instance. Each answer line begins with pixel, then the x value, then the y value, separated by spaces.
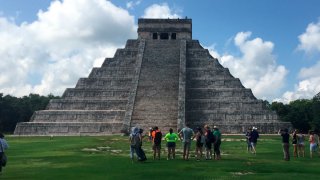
pixel 272 46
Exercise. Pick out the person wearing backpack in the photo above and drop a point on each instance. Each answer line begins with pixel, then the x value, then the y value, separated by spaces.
pixel 135 140
pixel 156 146
pixel 186 135
pixel 171 139
pixel 200 140
pixel 209 139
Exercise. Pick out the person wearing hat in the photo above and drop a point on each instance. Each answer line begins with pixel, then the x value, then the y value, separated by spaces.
pixel 217 142
pixel 253 138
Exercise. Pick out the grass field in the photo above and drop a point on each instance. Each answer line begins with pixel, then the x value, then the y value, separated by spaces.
pixel 107 157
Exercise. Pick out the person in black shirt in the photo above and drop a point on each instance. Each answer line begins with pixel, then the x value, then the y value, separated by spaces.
pixel 285 143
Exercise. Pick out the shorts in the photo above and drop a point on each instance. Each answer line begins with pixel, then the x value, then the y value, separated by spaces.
pixel 156 147
pixel 171 144
pixel 313 147
pixel 199 145
pixel 186 145
pixel 208 145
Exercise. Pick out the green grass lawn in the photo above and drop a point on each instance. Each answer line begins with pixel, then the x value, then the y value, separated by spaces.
pixel 107 157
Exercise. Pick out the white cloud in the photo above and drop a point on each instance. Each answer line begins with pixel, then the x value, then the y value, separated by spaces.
pixel 256 67
pixel 308 86
pixel 160 11
pixel 309 78
pixel 310 39
pixel 132 4
pixel 51 53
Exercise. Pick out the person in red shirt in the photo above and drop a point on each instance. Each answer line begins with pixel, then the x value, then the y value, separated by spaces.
pixel 156 145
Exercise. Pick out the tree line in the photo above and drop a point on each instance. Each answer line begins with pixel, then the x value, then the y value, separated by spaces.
pixel 304 114
pixel 20 109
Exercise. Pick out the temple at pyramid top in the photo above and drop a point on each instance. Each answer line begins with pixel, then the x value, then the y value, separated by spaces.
pixel 163 78
pixel 171 29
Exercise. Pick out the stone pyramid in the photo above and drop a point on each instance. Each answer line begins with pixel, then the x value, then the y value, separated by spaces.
pixel 164 78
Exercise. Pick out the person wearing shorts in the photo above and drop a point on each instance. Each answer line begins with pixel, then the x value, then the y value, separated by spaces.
pixel 171 139
pixel 186 135
pixel 313 144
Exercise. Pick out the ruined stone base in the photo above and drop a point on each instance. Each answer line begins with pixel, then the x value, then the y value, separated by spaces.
pixel 67 128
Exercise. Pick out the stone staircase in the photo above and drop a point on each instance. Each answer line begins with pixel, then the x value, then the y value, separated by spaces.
pixel 157 94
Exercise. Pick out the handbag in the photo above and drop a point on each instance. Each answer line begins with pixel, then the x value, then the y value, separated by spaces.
pixel 4 157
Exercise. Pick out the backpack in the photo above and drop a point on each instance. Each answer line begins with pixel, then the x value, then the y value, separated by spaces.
pixel 210 137
pixel 135 140
pixel 157 138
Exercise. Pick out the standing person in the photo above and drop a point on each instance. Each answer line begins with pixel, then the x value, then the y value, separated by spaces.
pixel 135 140
pixel 313 144
pixel 171 139
pixel 156 136
pixel 200 140
pixel 254 135
pixel 150 134
pixel 295 142
pixel 249 147
pixel 186 135
pixel 209 139
pixel 217 143
pixel 285 143
pixel 300 139
pixel 3 146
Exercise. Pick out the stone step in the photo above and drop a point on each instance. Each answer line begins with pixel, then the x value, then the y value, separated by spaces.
pixel 198 53
pixel 160 73
pixel 231 117
pixel 208 73
pixel 121 83
pixel 95 94
pixel 110 72
pixel 202 62
pixel 126 53
pixel 151 92
pixel 78 116
pixel 64 104
pixel 67 128
pixel 193 44
pixel 154 115
pixel 215 83
pixel 210 104
pixel 132 43
pixel 162 44
pixel 211 93
pixel 119 62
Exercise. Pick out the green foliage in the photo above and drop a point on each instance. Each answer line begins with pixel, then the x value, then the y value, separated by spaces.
pixel 304 114
pixel 14 110
pixel 107 157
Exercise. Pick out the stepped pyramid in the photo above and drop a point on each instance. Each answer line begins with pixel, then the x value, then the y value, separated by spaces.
pixel 164 78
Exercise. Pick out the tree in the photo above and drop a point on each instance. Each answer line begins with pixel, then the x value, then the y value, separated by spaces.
pixel 14 110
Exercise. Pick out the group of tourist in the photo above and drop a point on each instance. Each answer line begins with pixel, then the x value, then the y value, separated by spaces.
pixel 205 138
pixel 208 142
pixel 298 142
